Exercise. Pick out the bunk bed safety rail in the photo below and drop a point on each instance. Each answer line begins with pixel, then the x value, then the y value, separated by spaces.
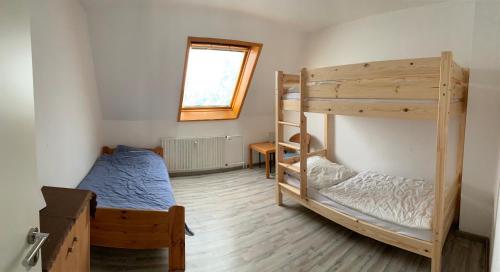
pixel 397 88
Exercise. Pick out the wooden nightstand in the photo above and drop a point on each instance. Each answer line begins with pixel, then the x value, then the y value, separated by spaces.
pixel 67 218
pixel 265 148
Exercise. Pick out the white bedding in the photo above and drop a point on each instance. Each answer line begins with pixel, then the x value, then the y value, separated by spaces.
pixel 404 201
pixel 322 173
pixel 422 234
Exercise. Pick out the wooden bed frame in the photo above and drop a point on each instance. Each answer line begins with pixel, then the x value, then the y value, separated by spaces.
pixel 141 229
pixel 380 89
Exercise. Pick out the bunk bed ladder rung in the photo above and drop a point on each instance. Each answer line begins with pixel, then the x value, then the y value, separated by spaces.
pixel 289 124
pixel 291 146
pixel 290 167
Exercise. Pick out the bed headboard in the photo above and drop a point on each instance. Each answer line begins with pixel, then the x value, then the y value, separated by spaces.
pixel 108 150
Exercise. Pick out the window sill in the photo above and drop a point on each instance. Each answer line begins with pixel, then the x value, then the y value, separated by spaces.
pixel 207 115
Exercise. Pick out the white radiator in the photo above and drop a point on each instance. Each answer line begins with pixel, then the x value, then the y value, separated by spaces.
pixel 204 153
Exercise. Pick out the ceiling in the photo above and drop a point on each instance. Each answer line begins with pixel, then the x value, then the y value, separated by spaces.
pixel 305 15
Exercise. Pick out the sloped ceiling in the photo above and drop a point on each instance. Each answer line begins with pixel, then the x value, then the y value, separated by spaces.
pixel 305 15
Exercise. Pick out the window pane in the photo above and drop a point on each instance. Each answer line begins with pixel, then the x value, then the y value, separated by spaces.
pixel 211 77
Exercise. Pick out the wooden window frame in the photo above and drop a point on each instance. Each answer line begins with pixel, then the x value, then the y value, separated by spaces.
pixel 245 77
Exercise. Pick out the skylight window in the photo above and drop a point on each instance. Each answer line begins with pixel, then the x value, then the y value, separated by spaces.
pixel 211 77
pixel 216 78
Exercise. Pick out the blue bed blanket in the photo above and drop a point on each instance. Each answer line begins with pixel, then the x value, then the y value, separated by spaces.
pixel 132 179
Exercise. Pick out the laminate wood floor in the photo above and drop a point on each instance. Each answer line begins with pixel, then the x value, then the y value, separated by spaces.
pixel 238 227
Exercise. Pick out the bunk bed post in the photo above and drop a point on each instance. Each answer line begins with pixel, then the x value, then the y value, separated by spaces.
pixel 279 137
pixel 443 116
pixel 303 136
pixel 460 149
pixel 326 131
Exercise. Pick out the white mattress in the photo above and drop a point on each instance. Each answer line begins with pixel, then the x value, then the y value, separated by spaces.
pixel 422 234
pixel 404 201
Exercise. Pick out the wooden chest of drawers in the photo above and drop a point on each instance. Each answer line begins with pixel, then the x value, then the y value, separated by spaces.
pixel 67 220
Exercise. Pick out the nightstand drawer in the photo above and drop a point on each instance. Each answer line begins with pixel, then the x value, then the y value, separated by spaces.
pixel 74 254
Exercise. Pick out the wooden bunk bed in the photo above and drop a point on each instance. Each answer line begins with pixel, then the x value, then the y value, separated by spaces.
pixel 141 229
pixel 425 88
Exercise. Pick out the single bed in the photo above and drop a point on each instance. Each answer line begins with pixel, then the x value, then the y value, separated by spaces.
pixel 136 208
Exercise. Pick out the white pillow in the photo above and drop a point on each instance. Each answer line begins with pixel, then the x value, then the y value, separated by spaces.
pixel 322 173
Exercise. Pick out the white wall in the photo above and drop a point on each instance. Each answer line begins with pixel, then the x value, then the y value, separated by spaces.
pixel 482 156
pixel 139 54
pixel 408 147
pixel 68 116
pixel 483 128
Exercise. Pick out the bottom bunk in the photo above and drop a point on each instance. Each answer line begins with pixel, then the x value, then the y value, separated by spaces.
pixel 315 194
pixel 427 239
pixel 394 210
pixel 359 225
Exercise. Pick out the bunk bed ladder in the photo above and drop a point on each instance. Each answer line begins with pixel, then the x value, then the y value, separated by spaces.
pixel 283 165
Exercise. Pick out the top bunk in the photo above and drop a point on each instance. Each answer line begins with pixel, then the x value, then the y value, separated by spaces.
pixel 408 88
